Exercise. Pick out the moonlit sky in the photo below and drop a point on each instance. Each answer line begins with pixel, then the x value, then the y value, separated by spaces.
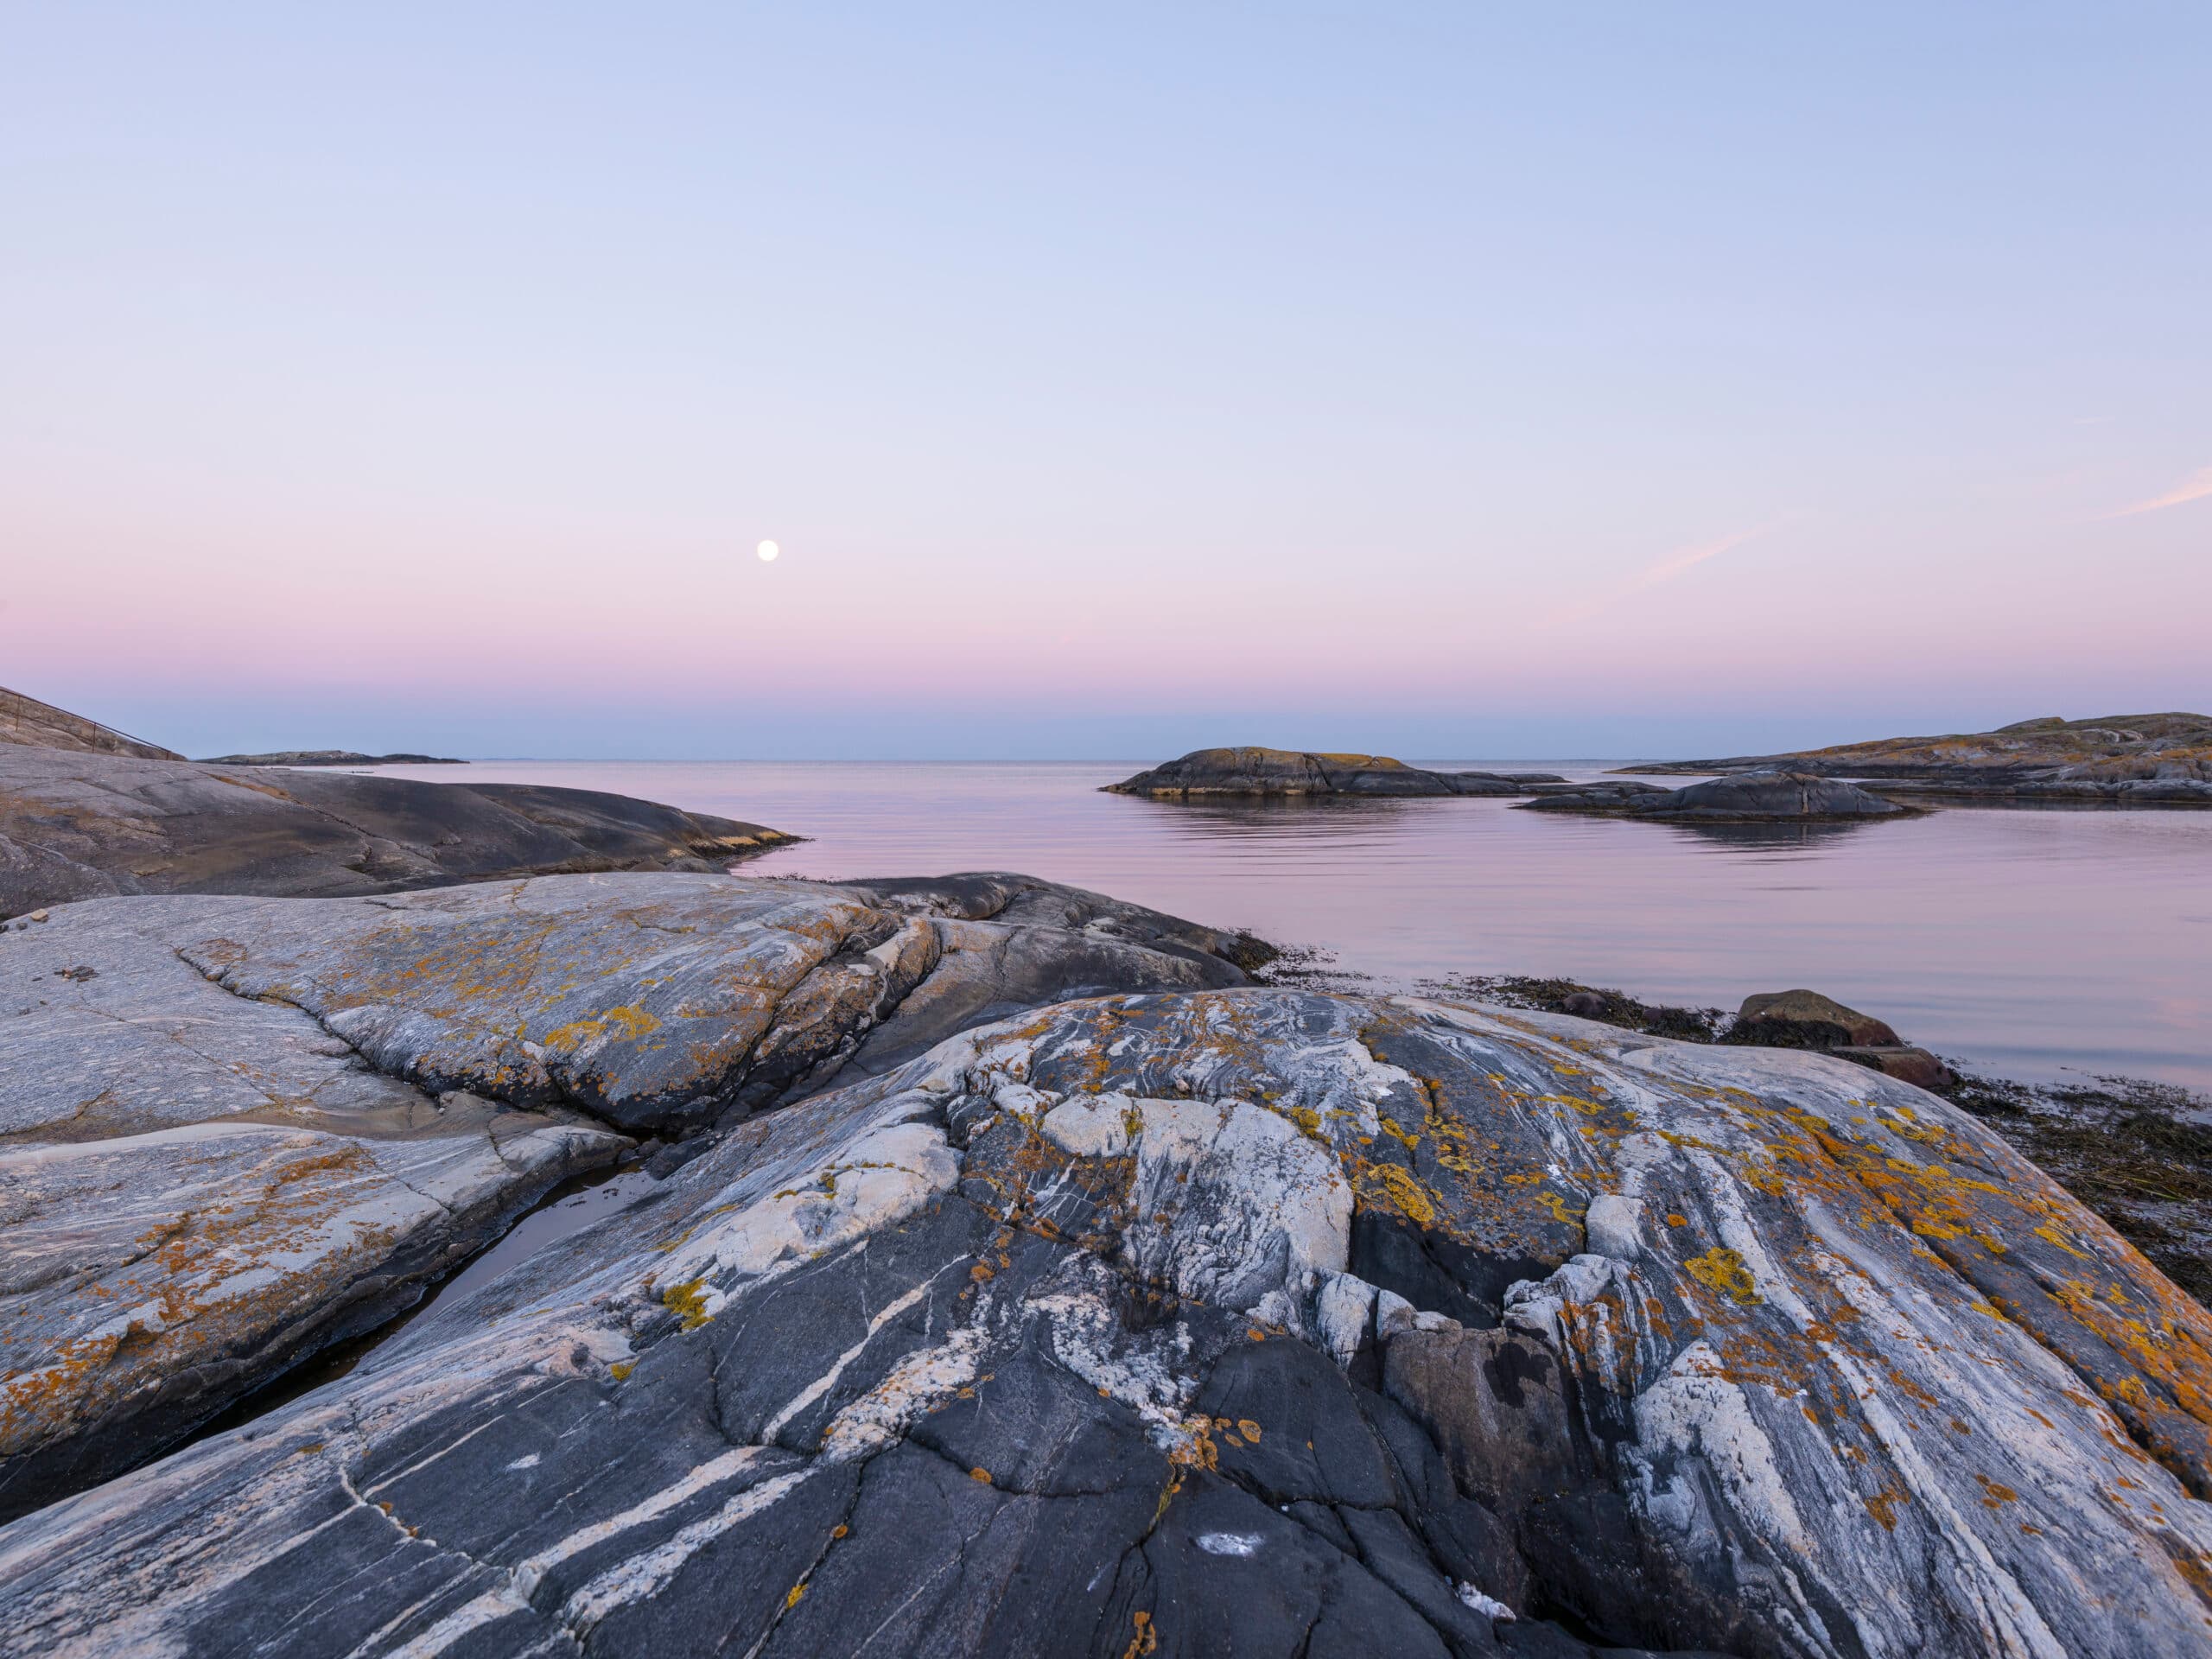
pixel 1451 379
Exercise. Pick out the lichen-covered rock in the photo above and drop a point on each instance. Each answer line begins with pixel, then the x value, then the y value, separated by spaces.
pixel 235 1130
pixel 196 1189
pixel 85 825
pixel 1236 1322
pixel 1250 772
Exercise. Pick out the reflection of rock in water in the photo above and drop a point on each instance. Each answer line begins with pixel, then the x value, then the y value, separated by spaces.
pixel 1769 837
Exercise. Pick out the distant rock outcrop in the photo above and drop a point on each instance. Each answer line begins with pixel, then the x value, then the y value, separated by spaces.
pixel 2125 760
pixel 331 758
pixel 1250 772
pixel 83 825
pixel 27 721
pixel 1752 798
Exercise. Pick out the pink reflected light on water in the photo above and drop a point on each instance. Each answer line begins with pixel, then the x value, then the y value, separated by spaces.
pixel 2030 944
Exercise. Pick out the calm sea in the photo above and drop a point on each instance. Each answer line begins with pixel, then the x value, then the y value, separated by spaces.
pixel 2037 943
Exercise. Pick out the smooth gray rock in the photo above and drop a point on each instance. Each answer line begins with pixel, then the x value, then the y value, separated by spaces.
pixel 26 720
pixel 1751 797
pixel 1253 772
pixel 235 1130
pixel 76 825
pixel 1018 1349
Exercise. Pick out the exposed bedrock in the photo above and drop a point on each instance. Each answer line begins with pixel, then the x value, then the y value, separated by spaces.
pixel 1250 772
pixel 76 825
pixel 1748 797
pixel 28 720
pixel 2163 760
pixel 1247 1321
pixel 235 1130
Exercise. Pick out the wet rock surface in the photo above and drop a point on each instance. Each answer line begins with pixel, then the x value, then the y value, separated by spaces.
pixel 1250 772
pixel 78 825
pixel 1238 1321
pixel 2162 759
pixel 1752 798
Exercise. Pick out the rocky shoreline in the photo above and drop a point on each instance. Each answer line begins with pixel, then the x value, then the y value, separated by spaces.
pixel 2116 759
pixel 1005 1269
pixel 79 825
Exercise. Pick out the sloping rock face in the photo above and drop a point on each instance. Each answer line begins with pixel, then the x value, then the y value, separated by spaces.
pixel 1752 797
pixel 197 1190
pixel 235 1130
pixel 27 721
pixel 85 825
pixel 2128 759
pixel 1237 1322
pixel 1285 771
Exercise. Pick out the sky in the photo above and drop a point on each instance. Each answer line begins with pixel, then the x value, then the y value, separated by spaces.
pixel 1445 380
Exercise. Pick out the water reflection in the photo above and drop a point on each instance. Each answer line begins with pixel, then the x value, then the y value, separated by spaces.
pixel 2025 942
pixel 1778 837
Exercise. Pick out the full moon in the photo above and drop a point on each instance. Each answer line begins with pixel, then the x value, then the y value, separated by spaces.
pixel 768 550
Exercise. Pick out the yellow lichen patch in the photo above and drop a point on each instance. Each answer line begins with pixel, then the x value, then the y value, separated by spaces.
pixel 1399 1191
pixel 1147 1640
pixel 626 1023
pixel 980 1475
pixel 688 1301
pixel 1882 1506
pixel 1723 1270
pixel 621 1368
pixel 797 1594
pixel 1248 1429
pixel 1391 1128
pixel 1557 1206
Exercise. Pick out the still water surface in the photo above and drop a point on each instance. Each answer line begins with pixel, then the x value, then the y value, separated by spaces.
pixel 2035 944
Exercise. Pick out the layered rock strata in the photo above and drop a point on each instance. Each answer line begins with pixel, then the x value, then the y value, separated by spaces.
pixel 233 1131
pixel 1236 1322
pixel 1251 772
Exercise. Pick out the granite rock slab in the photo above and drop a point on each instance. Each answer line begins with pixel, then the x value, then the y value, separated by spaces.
pixel 1242 1321
pixel 233 1131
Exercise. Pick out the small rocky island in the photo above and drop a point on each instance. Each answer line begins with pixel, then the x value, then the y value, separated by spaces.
pixel 2121 760
pixel 331 757
pixel 1763 797
pixel 1253 772
pixel 1009 1273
